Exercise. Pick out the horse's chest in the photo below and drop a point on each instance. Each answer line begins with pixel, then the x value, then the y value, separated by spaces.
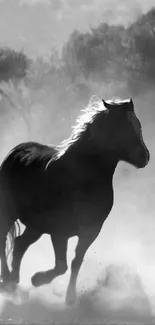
pixel 93 206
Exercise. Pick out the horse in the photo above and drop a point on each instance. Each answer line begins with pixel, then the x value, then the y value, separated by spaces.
pixel 66 190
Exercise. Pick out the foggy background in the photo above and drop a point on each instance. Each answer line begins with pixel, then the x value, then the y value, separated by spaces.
pixel 54 55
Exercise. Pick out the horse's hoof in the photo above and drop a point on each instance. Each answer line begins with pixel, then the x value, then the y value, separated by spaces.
pixel 8 287
pixel 38 279
pixel 14 278
pixel 11 287
pixel 2 286
pixel 70 298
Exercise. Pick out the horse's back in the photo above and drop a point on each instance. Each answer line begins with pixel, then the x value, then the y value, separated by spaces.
pixel 27 155
pixel 22 172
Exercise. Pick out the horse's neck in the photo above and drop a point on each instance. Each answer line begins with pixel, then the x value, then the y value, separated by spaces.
pixel 87 159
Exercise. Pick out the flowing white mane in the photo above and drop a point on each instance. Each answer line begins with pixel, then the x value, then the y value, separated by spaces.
pixel 86 117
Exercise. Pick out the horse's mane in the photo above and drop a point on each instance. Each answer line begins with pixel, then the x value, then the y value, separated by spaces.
pixel 86 117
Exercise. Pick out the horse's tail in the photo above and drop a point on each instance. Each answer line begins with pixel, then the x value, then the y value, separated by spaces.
pixel 12 234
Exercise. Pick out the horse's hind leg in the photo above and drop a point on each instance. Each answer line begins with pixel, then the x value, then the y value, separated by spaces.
pixel 21 245
pixel 60 249
pixel 5 273
pixel 5 226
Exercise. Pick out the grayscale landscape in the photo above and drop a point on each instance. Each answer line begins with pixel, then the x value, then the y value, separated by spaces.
pixel 54 55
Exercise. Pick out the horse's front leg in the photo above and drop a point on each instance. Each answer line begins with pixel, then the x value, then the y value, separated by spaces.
pixel 86 238
pixel 60 250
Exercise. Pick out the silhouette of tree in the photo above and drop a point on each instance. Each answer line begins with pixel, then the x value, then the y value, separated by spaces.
pixel 13 64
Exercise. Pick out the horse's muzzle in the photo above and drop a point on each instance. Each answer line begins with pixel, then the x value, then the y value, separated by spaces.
pixel 143 158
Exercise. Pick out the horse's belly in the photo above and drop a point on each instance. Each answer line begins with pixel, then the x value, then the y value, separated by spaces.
pixel 54 210
pixel 48 215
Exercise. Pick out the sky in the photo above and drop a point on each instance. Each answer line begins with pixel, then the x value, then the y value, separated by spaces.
pixel 126 241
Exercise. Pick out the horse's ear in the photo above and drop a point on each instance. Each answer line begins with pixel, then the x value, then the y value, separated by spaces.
pixel 107 105
pixel 131 104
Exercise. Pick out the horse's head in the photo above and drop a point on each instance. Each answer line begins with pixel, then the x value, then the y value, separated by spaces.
pixel 126 133
pixel 118 131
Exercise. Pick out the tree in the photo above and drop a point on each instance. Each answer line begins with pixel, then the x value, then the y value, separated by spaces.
pixel 143 31
pixel 13 65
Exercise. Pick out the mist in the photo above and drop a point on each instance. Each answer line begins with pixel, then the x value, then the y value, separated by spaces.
pixel 41 94
pixel 55 20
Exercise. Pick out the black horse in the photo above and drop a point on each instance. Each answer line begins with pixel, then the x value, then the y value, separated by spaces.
pixel 67 190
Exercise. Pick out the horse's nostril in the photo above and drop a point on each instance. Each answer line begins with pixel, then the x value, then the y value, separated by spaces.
pixel 148 155
pixel 144 156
